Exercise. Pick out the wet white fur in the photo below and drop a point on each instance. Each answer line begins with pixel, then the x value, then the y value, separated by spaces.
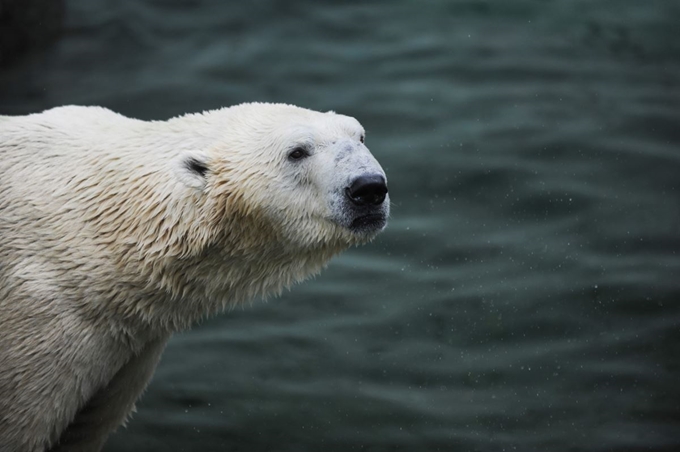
pixel 110 242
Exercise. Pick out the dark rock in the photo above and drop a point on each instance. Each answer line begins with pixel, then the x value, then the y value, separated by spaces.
pixel 27 26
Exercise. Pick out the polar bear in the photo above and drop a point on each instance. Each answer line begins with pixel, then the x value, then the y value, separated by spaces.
pixel 117 232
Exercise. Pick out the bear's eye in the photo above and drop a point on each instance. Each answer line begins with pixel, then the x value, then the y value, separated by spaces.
pixel 297 154
pixel 362 138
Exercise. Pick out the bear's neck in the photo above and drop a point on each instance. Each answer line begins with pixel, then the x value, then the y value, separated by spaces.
pixel 188 290
pixel 202 269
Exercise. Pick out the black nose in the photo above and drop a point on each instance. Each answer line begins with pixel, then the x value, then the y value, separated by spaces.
pixel 367 190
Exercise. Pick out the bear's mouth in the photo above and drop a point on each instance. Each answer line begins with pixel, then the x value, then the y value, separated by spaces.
pixel 368 222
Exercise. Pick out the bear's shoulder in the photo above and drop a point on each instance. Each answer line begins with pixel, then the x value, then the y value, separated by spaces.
pixel 76 115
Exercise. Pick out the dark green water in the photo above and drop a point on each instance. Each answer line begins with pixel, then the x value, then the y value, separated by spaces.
pixel 526 294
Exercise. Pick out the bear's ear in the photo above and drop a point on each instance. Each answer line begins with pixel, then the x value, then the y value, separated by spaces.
pixel 191 168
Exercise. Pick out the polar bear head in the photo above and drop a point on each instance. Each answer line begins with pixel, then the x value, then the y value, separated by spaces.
pixel 287 174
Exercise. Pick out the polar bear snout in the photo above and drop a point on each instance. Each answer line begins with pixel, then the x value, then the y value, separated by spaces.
pixel 367 204
pixel 367 190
